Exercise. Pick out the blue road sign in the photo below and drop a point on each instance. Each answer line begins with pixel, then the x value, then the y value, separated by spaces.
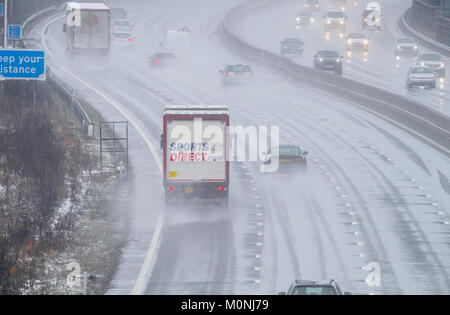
pixel 22 65
pixel 1 9
pixel 14 32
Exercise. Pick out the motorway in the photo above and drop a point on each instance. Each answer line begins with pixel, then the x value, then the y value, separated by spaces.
pixel 372 193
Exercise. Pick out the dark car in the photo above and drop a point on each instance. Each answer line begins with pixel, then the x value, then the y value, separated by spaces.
pixel 291 46
pixel 304 18
pixel 162 59
pixel 289 156
pixel 329 60
pixel 307 287
pixel 313 5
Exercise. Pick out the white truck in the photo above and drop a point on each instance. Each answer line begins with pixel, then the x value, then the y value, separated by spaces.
pixel 371 17
pixel 195 144
pixel 87 28
pixel 177 42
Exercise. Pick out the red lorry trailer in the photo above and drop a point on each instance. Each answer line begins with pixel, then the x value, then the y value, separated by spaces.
pixel 195 143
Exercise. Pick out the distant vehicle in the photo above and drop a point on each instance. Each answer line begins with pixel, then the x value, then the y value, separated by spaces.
pixel 291 46
pixel 371 17
pixel 357 41
pixel 420 76
pixel 406 46
pixel 337 4
pixel 91 32
pixel 290 157
pixel 196 170
pixel 307 287
pixel 162 59
pixel 122 39
pixel 236 73
pixel 118 13
pixel 312 5
pixel 328 60
pixel 304 18
pixel 121 25
pixel 433 61
pixel 178 42
pixel 335 20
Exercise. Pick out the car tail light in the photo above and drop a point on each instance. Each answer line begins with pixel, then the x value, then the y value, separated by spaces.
pixel 130 39
pixel 156 61
pixel 300 159
pixel 251 73
pixel 227 73
pixel 171 188
pixel 222 188
pixel 112 38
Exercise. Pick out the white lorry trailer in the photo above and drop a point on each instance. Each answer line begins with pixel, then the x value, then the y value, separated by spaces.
pixel 87 28
pixel 195 143
pixel 371 17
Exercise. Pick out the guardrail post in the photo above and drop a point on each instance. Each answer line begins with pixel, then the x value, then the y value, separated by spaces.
pixel 90 131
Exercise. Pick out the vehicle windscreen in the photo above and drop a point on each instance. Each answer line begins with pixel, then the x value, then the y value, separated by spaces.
pixel 335 15
pixel 431 57
pixel 329 54
pixel 239 68
pixel 164 56
pixel 121 35
pixel 357 35
pixel 421 70
pixel 122 23
pixel 292 41
pixel 286 151
pixel 313 290
pixel 407 41
pixel 304 14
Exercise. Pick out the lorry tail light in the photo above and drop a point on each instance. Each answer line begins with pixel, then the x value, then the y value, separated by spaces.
pixel 171 188
pixel 227 73
pixel 156 61
pixel 130 39
pixel 222 188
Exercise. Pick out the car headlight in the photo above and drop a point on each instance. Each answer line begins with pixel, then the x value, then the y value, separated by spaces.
pixel 415 48
pixel 398 46
pixel 342 22
pixel 298 19
pixel 328 21
pixel 366 42
pixel 317 5
pixel 338 60
pixel 321 59
pixel 306 5
pixel 422 64
pixel 349 41
pixel 312 20
pixel 442 65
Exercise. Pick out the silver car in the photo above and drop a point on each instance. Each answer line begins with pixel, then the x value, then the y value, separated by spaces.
pixel 406 46
pixel 433 61
pixel 420 76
